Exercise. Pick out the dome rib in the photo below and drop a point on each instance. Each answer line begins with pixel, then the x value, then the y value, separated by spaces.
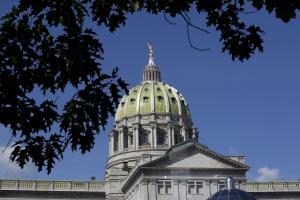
pixel 152 96
pixel 177 98
pixel 145 98
pixel 139 97
pixel 126 104
pixel 166 99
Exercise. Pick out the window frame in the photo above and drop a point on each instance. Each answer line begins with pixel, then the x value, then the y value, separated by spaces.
pixel 221 185
pixel 195 187
pixel 166 187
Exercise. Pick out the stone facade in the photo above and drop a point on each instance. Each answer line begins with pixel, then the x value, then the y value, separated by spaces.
pixel 188 170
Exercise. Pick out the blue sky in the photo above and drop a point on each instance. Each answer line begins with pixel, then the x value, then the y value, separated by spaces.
pixel 250 108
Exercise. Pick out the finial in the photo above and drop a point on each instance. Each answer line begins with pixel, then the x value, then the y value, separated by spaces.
pixel 151 59
pixel 151 71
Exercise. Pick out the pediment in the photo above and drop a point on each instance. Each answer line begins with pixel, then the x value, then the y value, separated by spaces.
pixel 194 155
pixel 196 160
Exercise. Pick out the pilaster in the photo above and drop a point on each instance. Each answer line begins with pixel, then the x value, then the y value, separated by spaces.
pixel 182 190
pixel 144 189
pixel 112 143
pixel 175 189
pixel 152 190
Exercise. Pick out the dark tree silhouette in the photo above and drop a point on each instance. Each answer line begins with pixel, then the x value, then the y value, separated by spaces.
pixel 48 45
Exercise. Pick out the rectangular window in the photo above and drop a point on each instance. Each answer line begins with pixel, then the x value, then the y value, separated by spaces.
pixel 221 185
pixel 160 187
pixel 195 187
pixel 168 187
pixel 199 186
pixel 164 186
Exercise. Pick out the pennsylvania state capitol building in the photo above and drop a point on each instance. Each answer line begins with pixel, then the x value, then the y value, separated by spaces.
pixel 154 154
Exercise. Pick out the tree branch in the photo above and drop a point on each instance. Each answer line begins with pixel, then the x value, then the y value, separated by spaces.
pixel 167 20
pixel 187 19
pixel 188 22
pixel 190 42
pixel 8 143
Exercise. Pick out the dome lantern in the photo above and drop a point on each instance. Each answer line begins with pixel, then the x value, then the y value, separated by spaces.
pixel 151 71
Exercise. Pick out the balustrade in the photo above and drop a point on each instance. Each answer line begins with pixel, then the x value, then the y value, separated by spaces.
pixel 41 185
pixel 271 186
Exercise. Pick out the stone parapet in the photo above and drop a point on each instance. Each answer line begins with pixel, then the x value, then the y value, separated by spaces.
pixel 277 186
pixel 55 185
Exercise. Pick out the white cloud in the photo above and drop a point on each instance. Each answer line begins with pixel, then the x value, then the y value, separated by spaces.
pixel 268 174
pixel 12 170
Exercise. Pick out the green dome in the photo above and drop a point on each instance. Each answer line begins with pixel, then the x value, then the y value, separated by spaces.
pixel 152 97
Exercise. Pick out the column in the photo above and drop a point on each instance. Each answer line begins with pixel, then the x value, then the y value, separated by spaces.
pixel 183 133
pixel 121 142
pixel 170 135
pixel 136 137
pixel 153 135
pixel 109 145
pixel 112 143
pixel 195 134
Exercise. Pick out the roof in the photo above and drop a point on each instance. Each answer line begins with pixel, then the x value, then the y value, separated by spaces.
pixel 152 97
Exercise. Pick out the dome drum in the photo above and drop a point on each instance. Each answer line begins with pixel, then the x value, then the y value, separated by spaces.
pixel 152 135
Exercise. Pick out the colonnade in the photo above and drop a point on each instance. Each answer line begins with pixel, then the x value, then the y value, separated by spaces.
pixel 119 142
